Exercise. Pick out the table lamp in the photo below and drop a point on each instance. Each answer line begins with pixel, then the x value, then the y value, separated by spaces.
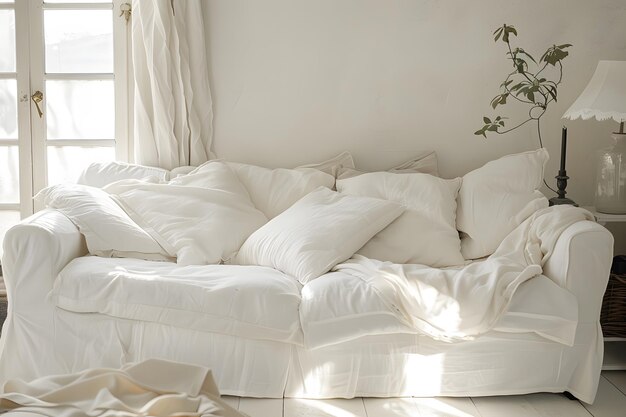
pixel 605 98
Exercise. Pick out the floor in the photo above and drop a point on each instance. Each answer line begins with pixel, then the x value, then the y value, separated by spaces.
pixel 610 402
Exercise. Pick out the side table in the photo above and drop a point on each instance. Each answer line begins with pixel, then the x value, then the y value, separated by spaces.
pixel 614 347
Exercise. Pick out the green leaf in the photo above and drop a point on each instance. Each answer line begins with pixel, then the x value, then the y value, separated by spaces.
pixel 531 96
pixel 521 51
pixel 497 33
pixel 506 83
pixel 555 54
pixel 486 120
pixel 552 91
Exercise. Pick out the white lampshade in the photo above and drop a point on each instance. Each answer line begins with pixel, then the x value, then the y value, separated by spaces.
pixel 605 95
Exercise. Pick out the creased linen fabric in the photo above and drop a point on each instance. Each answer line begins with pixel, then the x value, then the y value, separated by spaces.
pixel 173 113
pixel 460 304
pixel 151 388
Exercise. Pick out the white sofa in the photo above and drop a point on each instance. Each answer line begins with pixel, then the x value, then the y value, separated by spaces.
pixel 40 338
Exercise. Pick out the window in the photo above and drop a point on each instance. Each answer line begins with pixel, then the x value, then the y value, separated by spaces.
pixel 63 95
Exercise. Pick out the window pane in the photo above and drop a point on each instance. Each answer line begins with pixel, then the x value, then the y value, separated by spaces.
pixel 9 175
pixel 80 109
pixel 8 109
pixel 79 40
pixel 7 41
pixel 65 163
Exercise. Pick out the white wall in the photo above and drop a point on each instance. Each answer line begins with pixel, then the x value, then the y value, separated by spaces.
pixel 296 81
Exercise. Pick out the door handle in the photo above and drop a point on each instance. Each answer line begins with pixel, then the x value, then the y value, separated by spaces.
pixel 37 98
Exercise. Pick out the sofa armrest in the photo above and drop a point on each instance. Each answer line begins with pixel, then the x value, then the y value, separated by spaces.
pixel 581 263
pixel 35 251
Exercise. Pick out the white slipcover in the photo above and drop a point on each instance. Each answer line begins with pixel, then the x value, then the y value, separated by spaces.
pixel 384 365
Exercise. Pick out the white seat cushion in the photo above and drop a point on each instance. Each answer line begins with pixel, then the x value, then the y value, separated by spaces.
pixel 246 301
pixel 338 307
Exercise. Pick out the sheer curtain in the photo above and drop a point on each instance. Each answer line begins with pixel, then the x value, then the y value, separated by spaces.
pixel 173 111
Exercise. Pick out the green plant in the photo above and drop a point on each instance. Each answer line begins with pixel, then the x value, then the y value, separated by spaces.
pixel 530 86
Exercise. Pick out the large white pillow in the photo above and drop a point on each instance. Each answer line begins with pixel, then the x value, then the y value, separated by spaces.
pixel 274 190
pixel 426 232
pixel 202 217
pixel 108 230
pixel 334 165
pixel 424 163
pixel 99 174
pixel 498 197
pixel 316 233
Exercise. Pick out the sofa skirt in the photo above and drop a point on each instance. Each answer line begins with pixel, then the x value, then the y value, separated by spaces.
pixel 373 366
pixel 410 365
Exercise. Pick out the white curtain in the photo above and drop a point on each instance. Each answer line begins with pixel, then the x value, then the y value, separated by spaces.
pixel 173 112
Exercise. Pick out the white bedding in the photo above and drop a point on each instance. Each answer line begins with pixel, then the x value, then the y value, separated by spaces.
pixel 339 307
pixel 247 301
pixel 460 304
pixel 262 303
pixel 151 388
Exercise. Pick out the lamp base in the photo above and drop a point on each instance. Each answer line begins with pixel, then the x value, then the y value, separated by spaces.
pixel 561 183
pixel 557 201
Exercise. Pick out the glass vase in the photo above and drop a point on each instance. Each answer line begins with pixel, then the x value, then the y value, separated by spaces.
pixel 610 195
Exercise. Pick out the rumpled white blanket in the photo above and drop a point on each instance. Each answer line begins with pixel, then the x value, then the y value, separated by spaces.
pixel 151 388
pixel 461 304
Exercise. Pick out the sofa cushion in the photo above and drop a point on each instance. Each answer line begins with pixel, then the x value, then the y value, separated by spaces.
pixel 498 197
pixel 202 217
pixel 338 307
pixel 102 222
pixel 319 231
pixel 426 232
pixel 274 190
pixel 245 301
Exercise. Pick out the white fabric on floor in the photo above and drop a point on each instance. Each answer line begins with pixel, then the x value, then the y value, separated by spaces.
pixel 151 388
pixel 173 113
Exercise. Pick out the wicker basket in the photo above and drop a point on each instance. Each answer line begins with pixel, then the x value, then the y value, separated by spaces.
pixel 613 316
pixel 3 311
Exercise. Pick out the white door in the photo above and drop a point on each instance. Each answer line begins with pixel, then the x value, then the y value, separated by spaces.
pixel 63 94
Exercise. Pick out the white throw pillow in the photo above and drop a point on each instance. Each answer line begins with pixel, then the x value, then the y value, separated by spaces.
pixel 108 230
pixel 424 163
pixel 99 174
pixel 426 232
pixel 333 165
pixel 316 233
pixel 202 217
pixel 274 190
pixel 498 197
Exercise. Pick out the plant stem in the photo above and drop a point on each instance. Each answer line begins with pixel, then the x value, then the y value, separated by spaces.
pixel 513 128
pixel 541 145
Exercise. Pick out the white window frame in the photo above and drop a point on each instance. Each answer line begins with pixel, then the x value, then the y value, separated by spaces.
pixel 121 36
